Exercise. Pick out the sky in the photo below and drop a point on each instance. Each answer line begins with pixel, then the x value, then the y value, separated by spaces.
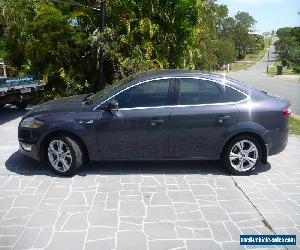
pixel 269 14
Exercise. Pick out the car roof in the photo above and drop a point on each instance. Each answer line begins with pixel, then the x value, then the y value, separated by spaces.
pixel 175 73
pixel 143 76
pixel 194 73
pixel 170 73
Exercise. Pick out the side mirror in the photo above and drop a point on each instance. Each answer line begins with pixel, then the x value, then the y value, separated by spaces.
pixel 109 106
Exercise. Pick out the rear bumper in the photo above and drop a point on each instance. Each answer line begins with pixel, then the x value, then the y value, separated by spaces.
pixel 276 140
pixel 276 149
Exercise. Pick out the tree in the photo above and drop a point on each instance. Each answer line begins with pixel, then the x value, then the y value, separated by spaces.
pixel 62 41
pixel 41 39
pixel 244 20
pixel 243 41
pixel 288 47
pixel 226 52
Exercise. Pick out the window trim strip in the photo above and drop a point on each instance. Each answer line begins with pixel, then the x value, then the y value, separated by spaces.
pixel 247 97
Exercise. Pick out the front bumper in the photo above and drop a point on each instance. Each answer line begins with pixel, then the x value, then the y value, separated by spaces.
pixel 29 150
pixel 28 142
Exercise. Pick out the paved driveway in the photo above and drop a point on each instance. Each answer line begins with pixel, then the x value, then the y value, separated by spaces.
pixel 136 206
pixel 255 76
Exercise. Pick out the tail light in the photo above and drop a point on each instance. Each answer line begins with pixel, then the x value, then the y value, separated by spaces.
pixel 41 87
pixel 287 111
pixel 2 93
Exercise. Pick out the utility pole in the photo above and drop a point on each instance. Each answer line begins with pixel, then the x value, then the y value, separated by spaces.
pixel 100 83
pixel 268 60
pixel 102 10
pixel 269 56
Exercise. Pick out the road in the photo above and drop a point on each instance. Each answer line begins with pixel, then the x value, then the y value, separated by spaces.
pixel 144 206
pixel 255 76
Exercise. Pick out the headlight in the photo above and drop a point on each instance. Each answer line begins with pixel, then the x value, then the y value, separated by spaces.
pixel 31 123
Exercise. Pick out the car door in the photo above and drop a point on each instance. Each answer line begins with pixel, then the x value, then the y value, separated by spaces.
pixel 138 129
pixel 202 119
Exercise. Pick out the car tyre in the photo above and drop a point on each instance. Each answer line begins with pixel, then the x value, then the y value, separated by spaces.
pixel 21 105
pixel 242 155
pixel 64 155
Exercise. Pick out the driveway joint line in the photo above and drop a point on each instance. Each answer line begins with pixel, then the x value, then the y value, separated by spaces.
pixel 265 222
pixel 263 219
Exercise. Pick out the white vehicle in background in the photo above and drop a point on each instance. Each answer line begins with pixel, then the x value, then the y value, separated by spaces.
pixel 18 91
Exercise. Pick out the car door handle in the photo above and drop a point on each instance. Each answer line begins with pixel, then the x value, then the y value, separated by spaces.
pixel 86 121
pixel 156 122
pixel 223 118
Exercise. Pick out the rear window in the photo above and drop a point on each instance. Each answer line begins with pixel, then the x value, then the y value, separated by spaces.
pixel 199 91
pixel 232 95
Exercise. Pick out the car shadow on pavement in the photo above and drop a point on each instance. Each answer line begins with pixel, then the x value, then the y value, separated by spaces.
pixel 21 165
pixel 10 113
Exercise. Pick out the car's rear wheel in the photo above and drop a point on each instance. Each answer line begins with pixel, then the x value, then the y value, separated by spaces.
pixel 242 155
pixel 64 155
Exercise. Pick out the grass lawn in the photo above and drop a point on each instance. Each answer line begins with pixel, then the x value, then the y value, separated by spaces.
pixel 251 59
pixel 285 70
pixel 242 65
pixel 294 125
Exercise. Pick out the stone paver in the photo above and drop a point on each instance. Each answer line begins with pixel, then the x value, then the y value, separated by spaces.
pixel 160 230
pixel 67 241
pixel 128 240
pixel 151 206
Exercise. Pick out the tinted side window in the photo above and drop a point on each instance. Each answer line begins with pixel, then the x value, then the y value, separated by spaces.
pixel 232 95
pixel 148 94
pixel 196 91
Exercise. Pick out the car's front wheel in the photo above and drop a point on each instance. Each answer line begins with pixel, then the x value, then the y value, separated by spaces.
pixel 21 105
pixel 64 155
pixel 242 155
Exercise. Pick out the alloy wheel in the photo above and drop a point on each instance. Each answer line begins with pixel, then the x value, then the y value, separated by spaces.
pixel 59 155
pixel 243 155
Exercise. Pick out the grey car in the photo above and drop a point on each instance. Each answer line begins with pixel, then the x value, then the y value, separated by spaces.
pixel 161 115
